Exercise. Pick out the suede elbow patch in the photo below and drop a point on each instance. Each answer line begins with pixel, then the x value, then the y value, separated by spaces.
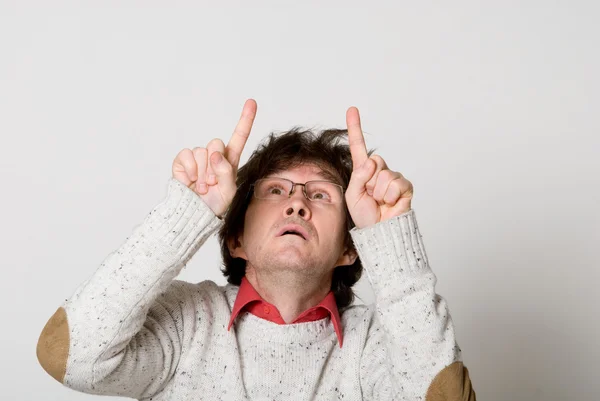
pixel 451 384
pixel 53 345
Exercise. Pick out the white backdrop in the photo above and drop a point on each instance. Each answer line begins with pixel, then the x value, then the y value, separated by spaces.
pixel 491 110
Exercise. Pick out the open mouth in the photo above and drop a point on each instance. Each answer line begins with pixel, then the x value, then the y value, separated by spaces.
pixel 295 230
pixel 293 233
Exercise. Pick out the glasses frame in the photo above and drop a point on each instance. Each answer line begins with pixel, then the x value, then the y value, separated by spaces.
pixel 342 189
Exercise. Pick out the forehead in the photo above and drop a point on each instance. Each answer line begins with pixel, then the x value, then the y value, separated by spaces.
pixel 311 171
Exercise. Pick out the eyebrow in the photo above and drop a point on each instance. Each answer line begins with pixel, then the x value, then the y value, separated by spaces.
pixel 331 177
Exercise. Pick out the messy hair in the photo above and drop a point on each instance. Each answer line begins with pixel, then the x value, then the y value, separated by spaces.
pixel 327 149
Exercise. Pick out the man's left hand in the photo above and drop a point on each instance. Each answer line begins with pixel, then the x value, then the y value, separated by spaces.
pixel 375 193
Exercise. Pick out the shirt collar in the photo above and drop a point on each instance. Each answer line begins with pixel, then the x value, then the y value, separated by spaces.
pixel 247 295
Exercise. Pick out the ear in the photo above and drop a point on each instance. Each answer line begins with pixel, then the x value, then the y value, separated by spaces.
pixel 347 257
pixel 236 249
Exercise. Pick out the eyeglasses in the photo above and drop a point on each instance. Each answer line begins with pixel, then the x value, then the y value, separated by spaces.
pixel 277 189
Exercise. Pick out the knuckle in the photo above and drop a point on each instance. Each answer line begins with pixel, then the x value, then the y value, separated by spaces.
pixel 200 152
pixel 183 155
pixel 386 175
pixel 378 159
pixel 184 151
pixel 215 143
pixel 396 185
pixel 241 131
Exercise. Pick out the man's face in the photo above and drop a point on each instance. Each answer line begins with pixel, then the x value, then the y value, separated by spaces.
pixel 263 246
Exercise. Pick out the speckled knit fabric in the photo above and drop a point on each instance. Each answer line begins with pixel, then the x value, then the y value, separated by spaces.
pixel 137 332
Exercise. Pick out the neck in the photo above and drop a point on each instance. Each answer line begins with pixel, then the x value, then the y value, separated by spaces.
pixel 291 293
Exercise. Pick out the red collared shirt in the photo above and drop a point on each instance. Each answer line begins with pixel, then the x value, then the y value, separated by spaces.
pixel 250 300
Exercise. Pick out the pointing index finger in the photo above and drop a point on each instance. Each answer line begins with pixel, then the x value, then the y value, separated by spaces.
pixel 236 144
pixel 356 140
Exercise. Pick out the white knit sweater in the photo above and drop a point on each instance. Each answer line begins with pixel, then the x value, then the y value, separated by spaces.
pixel 136 332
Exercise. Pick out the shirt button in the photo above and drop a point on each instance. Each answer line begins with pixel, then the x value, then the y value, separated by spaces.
pixel 267 310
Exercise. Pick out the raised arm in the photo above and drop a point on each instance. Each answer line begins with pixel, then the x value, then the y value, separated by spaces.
pixel 120 333
pixel 411 352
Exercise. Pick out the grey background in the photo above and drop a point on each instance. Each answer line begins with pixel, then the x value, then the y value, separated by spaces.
pixel 489 108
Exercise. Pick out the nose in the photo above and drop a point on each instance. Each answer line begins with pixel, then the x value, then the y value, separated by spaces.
pixel 297 204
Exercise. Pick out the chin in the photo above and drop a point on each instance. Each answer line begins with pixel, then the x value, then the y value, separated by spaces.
pixel 290 260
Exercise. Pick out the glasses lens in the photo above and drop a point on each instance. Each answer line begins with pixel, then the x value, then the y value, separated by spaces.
pixel 324 191
pixel 272 188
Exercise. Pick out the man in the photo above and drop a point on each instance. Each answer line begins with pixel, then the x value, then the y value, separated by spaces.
pixel 297 222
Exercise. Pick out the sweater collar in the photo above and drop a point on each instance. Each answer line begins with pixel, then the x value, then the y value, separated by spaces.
pixel 250 300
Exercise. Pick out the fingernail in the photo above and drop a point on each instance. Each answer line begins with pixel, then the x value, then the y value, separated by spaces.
pixel 202 188
pixel 218 157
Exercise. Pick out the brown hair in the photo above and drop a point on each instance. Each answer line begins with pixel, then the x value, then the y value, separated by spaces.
pixel 326 149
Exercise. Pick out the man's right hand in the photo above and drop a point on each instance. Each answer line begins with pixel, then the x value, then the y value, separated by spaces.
pixel 211 172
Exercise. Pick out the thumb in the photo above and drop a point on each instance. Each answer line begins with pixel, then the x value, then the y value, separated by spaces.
pixel 221 167
pixel 226 176
pixel 359 179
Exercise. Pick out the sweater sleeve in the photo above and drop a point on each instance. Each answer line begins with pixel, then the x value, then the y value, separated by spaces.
pixel 117 334
pixel 411 352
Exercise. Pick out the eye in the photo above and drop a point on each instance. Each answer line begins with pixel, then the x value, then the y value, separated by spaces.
pixel 323 191
pixel 276 190
pixel 320 195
